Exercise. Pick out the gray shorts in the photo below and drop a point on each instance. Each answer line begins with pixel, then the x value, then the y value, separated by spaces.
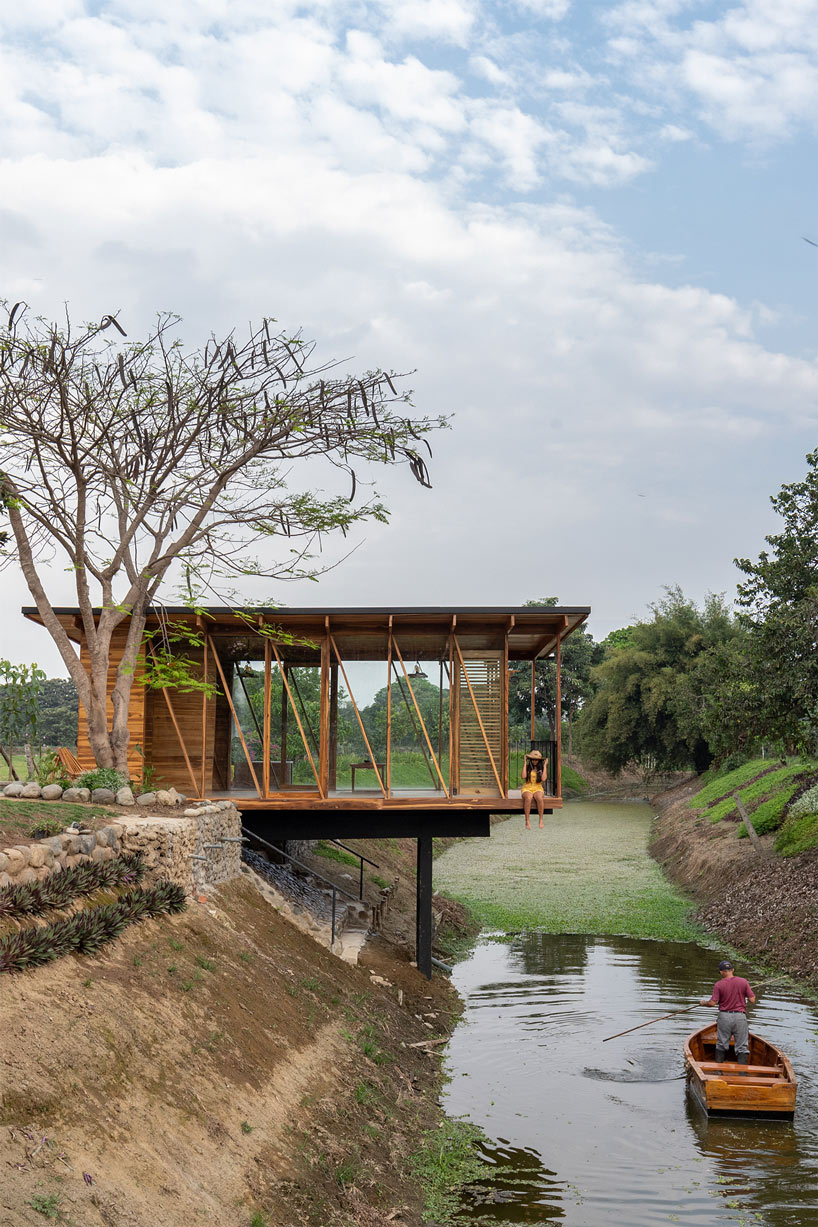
pixel 734 1024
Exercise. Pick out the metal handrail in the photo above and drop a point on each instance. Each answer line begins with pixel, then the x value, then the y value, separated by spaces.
pixel 361 858
pixel 280 852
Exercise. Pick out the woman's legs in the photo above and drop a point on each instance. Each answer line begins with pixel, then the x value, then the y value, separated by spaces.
pixel 540 796
pixel 527 809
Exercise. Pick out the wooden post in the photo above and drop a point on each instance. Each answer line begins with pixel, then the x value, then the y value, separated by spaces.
pixel 389 711
pixel 745 818
pixel 181 740
pixel 369 749
pixel 289 695
pixel 479 717
pixel 533 696
pixel 204 721
pixel 247 753
pixel 504 707
pixel 323 721
pixel 454 717
pixel 282 752
pixel 333 727
pixel 268 702
pixel 558 776
pixel 423 925
pixel 440 713
pixel 419 716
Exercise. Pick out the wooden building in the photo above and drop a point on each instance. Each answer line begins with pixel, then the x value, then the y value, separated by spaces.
pixel 342 722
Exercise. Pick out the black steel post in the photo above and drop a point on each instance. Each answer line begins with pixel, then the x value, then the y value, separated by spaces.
pixel 423 932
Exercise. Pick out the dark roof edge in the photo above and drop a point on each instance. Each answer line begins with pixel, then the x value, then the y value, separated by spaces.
pixel 320 610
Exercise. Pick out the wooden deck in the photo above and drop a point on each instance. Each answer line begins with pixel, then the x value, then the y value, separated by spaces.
pixel 376 801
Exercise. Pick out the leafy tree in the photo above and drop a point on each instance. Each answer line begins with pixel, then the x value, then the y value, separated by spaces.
pixel 20 688
pixel 58 712
pixel 406 731
pixel 780 600
pixel 137 461
pixel 649 708
pixel 579 653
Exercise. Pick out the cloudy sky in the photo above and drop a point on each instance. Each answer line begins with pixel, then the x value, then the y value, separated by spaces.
pixel 579 224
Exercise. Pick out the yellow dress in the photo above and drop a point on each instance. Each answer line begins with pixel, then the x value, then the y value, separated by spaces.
pixel 531 785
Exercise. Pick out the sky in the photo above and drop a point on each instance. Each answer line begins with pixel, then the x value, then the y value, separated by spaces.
pixel 579 226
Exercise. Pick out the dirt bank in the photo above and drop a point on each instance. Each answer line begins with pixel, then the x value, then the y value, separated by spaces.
pixel 220 1067
pixel 764 905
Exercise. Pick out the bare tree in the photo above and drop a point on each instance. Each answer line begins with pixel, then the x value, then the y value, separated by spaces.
pixel 133 460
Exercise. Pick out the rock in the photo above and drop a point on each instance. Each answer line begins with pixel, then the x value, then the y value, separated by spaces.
pixel 125 796
pixel 3 862
pixel 25 876
pixel 37 856
pixel 77 795
pixel 103 796
pixel 87 844
pixel 14 789
pixel 163 797
pixel 146 798
pixel 52 792
pixel 16 858
pixel 31 791
pixel 176 797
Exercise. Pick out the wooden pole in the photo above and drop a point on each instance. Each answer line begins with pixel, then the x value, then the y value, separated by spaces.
pixel 389 710
pixel 558 776
pixel 672 1014
pixel 533 694
pixel 172 714
pixel 247 754
pixel 504 771
pixel 423 915
pixel 358 714
pixel 454 717
pixel 333 727
pixel 268 718
pixel 420 717
pixel 745 818
pixel 479 717
pixel 440 713
pixel 298 720
pixel 323 721
pixel 282 749
pixel 414 722
pixel 204 719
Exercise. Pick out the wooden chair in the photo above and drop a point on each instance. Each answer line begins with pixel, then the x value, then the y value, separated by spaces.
pixel 72 766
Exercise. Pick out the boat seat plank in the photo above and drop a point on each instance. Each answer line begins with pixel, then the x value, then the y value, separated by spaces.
pixel 769 1071
pixel 737 1080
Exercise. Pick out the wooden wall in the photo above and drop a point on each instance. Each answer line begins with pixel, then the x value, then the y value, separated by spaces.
pixel 162 749
pixel 136 712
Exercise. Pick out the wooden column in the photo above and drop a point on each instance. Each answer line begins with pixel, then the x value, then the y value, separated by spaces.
pixel 423 928
pixel 558 737
pixel 389 711
pixel 533 694
pixel 454 717
pixel 204 722
pixel 268 695
pixel 323 723
pixel 333 727
pixel 504 708
pixel 282 766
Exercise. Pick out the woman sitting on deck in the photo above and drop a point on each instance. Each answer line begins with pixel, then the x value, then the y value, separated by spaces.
pixel 535 766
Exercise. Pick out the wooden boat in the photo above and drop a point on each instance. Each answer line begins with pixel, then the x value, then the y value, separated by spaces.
pixel 765 1087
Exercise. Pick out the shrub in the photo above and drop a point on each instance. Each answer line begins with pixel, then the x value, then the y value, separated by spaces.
pixel 806 804
pixel 797 835
pixel 102 777
pixel 51 771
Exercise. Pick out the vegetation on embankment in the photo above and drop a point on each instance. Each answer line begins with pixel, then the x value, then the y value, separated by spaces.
pixel 587 871
pixel 779 796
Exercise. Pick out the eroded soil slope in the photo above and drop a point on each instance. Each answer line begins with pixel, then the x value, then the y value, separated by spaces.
pixel 763 904
pixel 213 1067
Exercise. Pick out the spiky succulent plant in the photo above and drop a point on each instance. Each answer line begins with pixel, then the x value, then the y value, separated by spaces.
pixel 90 929
pixel 58 889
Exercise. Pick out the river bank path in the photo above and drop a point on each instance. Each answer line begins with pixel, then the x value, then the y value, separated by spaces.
pixel 587 871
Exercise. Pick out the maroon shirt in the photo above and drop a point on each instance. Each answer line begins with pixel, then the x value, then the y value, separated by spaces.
pixel 731 993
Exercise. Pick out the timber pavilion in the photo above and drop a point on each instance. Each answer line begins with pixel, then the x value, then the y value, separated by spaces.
pixel 343 723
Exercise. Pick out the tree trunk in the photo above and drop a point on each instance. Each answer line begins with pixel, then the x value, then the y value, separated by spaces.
pixel 31 766
pixel 7 756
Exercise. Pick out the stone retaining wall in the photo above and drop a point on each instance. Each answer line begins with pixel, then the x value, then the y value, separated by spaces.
pixel 197 850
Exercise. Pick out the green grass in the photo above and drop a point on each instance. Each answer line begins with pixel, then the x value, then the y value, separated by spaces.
pixel 797 835
pixel 572 779
pixel 378 880
pixel 331 853
pixel 588 871
pixel 765 798
pixel 724 785
pixel 446 1162
pixel 24 817
pixel 46 1204
pixel 769 815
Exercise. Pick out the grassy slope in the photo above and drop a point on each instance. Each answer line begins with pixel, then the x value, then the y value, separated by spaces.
pixel 766 789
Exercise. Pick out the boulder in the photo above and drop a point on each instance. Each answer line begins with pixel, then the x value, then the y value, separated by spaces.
pixel 163 797
pixel 14 789
pixel 77 795
pixel 52 792
pixel 125 796
pixel 103 796
pixel 31 791
pixel 176 798
pixel 146 798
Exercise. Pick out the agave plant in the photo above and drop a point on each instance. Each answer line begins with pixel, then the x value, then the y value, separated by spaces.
pixel 35 898
pixel 89 930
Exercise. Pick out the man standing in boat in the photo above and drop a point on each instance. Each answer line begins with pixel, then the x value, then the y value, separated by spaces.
pixel 731 994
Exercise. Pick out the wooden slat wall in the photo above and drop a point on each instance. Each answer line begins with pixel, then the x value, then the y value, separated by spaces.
pixel 162 749
pixel 485 675
pixel 136 712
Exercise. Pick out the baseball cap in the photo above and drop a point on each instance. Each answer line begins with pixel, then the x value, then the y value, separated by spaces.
pixel 725 965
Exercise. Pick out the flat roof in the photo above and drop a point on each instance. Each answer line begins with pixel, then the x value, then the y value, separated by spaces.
pixel 532 630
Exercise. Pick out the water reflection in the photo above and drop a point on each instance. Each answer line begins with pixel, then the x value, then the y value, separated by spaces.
pixel 595 1133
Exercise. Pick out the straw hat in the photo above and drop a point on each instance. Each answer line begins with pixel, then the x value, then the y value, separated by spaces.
pixel 533 754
